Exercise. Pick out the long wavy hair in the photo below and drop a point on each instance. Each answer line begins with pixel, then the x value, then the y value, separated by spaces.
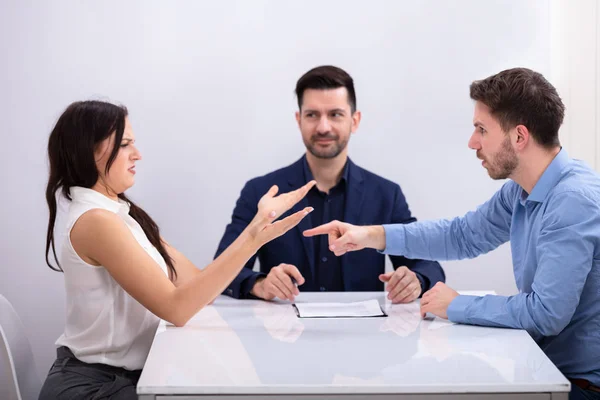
pixel 80 128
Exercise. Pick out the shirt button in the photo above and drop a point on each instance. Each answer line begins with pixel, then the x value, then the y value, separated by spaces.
pixel 322 288
pixel 324 259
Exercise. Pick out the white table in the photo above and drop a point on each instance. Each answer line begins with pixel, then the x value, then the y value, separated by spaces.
pixel 251 349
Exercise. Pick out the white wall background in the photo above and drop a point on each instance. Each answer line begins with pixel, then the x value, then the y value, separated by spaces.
pixel 575 70
pixel 209 86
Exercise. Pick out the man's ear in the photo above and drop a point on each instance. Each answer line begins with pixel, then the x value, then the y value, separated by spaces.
pixel 356 117
pixel 522 136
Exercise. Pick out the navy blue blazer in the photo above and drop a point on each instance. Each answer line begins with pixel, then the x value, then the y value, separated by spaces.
pixel 370 200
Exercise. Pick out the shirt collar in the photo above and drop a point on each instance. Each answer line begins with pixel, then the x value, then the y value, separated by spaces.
pixel 86 195
pixel 549 178
pixel 309 176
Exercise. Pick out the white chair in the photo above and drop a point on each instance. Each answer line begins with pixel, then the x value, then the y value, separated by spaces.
pixel 16 358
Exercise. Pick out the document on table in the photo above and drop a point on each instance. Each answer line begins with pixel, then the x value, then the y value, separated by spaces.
pixel 358 309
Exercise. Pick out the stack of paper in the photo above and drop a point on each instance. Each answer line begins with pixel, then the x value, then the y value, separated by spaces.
pixel 369 308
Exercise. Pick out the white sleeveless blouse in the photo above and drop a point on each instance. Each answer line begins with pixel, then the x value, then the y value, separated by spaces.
pixel 104 324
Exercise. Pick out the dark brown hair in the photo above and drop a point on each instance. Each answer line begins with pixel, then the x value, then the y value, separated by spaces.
pixel 520 96
pixel 80 128
pixel 326 77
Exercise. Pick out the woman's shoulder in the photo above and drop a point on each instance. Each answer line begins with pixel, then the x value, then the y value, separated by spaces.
pixel 97 221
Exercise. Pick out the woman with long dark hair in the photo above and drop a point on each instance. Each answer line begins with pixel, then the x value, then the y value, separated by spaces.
pixel 121 276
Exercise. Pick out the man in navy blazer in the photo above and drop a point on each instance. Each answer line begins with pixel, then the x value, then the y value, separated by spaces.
pixel 327 117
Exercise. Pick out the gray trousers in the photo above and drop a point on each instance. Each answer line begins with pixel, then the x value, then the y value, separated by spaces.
pixel 71 379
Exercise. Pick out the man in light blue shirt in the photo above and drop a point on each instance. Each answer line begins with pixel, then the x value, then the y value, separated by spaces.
pixel 550 213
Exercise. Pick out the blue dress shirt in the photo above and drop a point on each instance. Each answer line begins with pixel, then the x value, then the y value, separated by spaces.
pixel 554 234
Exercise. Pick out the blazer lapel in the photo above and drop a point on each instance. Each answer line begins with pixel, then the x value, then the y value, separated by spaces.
pixel 297 180
pixel 354 194
pixel 352 212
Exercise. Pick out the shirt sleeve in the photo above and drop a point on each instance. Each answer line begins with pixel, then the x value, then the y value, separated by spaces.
pixel 565 253
pixel 476 233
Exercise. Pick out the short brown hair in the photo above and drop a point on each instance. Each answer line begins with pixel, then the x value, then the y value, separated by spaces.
pixel 520 96
pixel 326 77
